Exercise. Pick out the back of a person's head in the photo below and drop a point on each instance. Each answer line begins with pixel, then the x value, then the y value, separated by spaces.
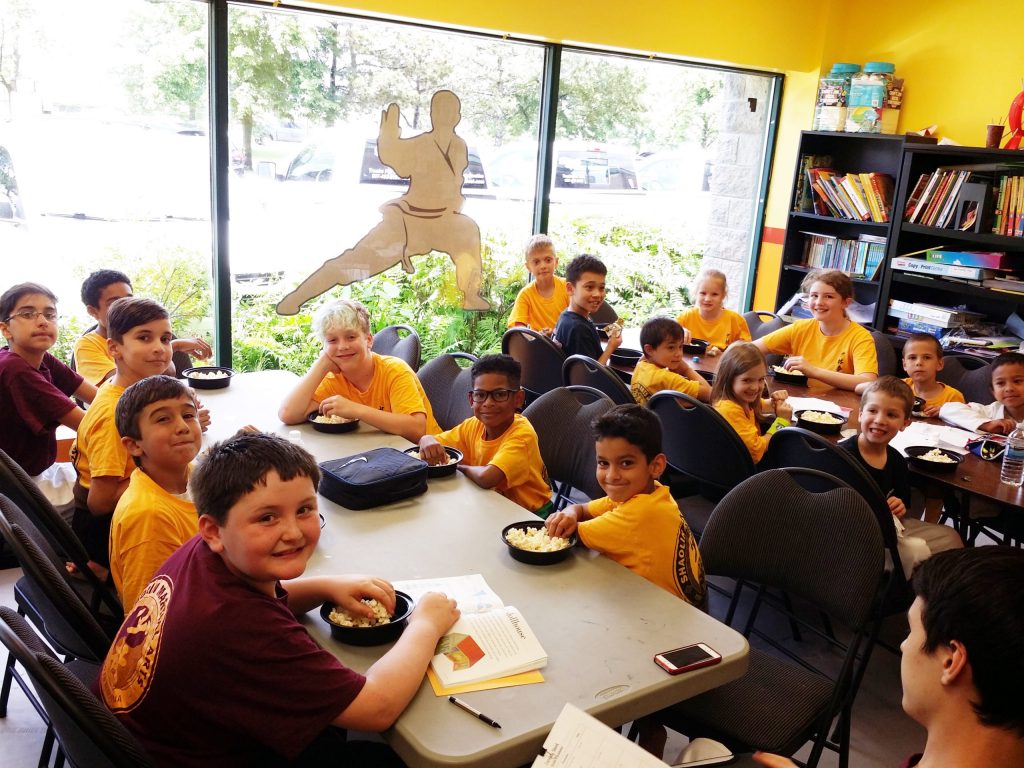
pixel 341 315
pixel 1010 358
pixel 234 467
pixel 131 312
pixel 145 392
pixel 537 243
pixel 635 424
pixel 737 359
pixel 975 596
pixel 503 365
pixel 658 330
pixel 893 387
pixel 924 338
pixel 94 284
pixel 10 298
pixel 582 264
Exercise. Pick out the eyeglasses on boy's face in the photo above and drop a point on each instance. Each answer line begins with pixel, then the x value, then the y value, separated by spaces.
pixel 497 395
pixel 31 314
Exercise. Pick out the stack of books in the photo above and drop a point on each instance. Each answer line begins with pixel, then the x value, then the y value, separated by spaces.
pixel 933 319
pixel 860 258
pixel 1009 211
pixel 972 267
pixel 857 196
pixel 932 202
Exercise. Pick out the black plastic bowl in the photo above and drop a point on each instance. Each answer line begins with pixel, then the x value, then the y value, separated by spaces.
pixel 788 377
pixel 695 347
pixel 821 429
pixel 915 452
pixel 201 383
pixel 383 633
pixel 535 558
pixel 626 357
pixel 918 406
pixel 441 470
pixel 332 429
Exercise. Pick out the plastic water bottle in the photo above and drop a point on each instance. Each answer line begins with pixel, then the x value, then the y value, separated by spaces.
pixel 1012 472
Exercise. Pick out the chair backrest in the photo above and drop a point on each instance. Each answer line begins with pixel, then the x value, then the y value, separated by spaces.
pixel 566 440
pixel 771 530
pixel 399 341
pixel 62 542
pixel 540 358
pixel 605 314
pixel 756 318
pixel 888 365
pixel 699 442
pixel 796 447
pixel 89 734
pixel 767 327
pixel 67 622
pixel 974 383
pixel 586 371
pixel 447 383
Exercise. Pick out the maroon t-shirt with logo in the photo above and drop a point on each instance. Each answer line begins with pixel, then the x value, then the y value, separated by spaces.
pixel 207 671
pixel 32 402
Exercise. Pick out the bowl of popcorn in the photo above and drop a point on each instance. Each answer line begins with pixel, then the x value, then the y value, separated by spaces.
pixel 332 425
pixel 931 458
pixel 440 470
pixel 919 403
pixel 695 347
pixel 529 542
pixel 208 377
pixel 822 422
pixel 788 377
pixel 361 630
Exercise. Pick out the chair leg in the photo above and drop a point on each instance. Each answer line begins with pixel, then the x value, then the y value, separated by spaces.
pixel 5 691
pixel 48 741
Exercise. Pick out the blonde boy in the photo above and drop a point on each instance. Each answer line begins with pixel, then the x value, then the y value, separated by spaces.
pixel 354 382
pixel 638 524
pixel 541 301
pixel 663 365
pixel 499 445
pixel 159 425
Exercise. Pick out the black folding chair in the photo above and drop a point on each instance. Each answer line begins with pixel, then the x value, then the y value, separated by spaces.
pixel 399 341
pixel 586 371
pixel 447 383
pixel 541 360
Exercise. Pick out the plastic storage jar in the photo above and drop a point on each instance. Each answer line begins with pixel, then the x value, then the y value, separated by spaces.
pixel 833 95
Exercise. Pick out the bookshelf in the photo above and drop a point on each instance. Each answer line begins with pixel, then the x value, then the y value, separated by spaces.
pixel 907 238
pixel 851 153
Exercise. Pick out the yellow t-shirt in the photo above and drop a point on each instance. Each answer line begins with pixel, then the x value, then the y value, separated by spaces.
pixel 947 395
pixel 746 427
pixel 720 333
pixel 649 378
pixel 648 535
pixel 534 310
pixel 97 450
pixel 516 453
pixel 394 388
pixel 149 524
pixel 852 351
pixel 92 360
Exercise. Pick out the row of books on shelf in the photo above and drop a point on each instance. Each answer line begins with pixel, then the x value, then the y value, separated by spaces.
pixel 933 200
pixel 988 269
pixel 857 196
pixel 861 258
pixel 957 327
pixel 1009 207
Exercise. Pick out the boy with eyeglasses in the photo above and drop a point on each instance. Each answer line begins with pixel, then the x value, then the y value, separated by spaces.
pixel 36 390
pixel 499 445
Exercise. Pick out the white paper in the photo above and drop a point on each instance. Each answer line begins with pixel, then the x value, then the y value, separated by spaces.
pixel 816 404
pixel 471 592
pixel 578 740
pixel 485 646
pixel 933 435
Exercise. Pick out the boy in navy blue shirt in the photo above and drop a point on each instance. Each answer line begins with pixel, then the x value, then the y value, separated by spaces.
pixel 584 281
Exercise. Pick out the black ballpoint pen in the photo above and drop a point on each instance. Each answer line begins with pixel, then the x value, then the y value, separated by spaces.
pixel 474 712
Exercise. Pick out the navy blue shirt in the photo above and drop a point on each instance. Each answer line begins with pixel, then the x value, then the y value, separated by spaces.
pixel 893 479
pixel 577 335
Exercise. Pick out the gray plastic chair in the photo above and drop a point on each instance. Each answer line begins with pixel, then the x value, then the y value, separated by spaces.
pixel 971 375
pixel 399 341
pixel 888 364
pixel 605 314
pixel 756 318
pixel 586 371
pixel 541 360
pixel 562 423
pixel 771 531
pixel 447 385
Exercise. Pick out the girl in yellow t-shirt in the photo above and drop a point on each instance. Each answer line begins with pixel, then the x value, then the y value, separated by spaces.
pixel 737 396
pixel 829 346
pixel 708 319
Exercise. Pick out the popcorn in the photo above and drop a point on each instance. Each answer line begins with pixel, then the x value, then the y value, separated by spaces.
pixel 938 456
pixel 343 618
pixel 208 374
pixel 820 418
pixel 535 540
pixel 332 419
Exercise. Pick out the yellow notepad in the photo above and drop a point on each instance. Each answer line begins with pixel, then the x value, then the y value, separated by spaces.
pixel 523 678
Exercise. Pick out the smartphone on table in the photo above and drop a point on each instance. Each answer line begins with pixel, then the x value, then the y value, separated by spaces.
pixel 680 660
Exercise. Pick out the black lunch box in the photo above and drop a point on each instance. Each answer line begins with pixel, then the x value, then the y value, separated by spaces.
pixel 370 479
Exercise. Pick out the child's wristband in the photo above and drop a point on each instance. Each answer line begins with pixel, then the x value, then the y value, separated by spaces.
pixel 778 424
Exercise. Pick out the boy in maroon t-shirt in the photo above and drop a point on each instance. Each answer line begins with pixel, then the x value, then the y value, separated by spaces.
pixel 36 389
pixel 211 665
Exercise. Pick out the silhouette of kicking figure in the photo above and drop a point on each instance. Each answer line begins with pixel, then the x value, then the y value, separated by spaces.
pixel 426 218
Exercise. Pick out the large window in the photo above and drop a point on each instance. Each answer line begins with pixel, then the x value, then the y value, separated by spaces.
pixel 104 160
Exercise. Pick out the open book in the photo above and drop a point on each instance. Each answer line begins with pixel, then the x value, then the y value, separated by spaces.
pixel 490 640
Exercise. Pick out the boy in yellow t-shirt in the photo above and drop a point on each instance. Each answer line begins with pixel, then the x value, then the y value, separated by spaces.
pixel 351 381
pixel 499 446
pixel 159 425
pixel 922 359
pixel 540 303
pixel 638 524
pixel 140 340
pixel 663 365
